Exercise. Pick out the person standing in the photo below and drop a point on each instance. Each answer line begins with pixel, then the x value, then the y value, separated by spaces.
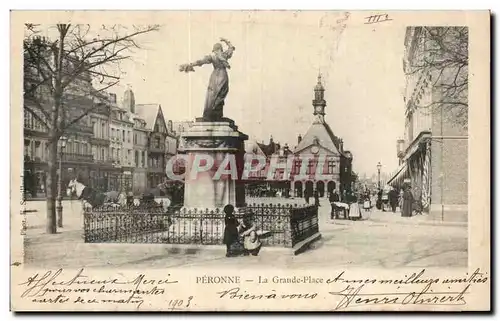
pixel 334 198
pixel 230 230
pixel 393 199
pixel 306 195
pixel 354 210
pixel 400 199
pixel 378 203
pixel 407 202
pixel 316 197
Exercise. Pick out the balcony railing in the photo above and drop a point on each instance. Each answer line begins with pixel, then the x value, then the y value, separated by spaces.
pixel 104 161
pixel 99 141
pixel 28 158
pixel 72 157
pixel 79 128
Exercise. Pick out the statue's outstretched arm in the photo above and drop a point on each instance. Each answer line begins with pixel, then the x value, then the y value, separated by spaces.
pixel 205 60
pixel 197 63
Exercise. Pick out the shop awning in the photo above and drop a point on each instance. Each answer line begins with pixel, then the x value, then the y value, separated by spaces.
pixel 400 175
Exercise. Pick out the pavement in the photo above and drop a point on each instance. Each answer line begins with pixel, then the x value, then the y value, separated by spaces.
pixel 381 239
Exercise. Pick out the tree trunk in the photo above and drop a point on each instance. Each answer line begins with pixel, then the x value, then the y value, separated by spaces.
pixel 54 134
pixel 51 227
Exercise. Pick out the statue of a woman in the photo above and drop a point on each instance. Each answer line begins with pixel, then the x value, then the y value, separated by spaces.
pixel 218 86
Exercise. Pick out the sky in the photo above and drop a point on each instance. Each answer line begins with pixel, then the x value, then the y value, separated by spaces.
pixel 273 72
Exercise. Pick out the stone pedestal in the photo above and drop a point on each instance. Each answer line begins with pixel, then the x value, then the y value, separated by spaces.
pixel 219 140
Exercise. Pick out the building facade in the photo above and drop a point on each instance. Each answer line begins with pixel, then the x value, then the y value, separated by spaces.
pixel 258 182
pixel 77 158
pixel 121 128
pixel 35 152
pixel 161 143
pixel 433 155
pixel 326 153
pixel 102 167
pixel 140 135
pixel 329 166
pixel 171 141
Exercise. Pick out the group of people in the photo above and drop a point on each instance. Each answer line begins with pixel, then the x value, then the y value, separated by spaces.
pixel 240 238
pixel 348 206
pixel 403 198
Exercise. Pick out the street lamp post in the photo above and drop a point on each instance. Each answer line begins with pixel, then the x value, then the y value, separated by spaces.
pixel 59 207
pixel 379 167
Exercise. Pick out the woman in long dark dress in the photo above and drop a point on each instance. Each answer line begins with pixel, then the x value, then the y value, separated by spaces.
pixel 230 230
pixel 218 86
pixel 407 202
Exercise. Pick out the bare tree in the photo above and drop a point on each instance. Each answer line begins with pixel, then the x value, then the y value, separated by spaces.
pixel 444 56
pixel 72 68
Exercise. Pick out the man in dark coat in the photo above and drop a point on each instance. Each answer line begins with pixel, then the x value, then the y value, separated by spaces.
pixel 379 199
pixel 316 198
pixel 407 202
pixel 334 197
pixel 393 199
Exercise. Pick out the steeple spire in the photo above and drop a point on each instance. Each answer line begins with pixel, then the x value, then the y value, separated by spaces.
pixel 319 102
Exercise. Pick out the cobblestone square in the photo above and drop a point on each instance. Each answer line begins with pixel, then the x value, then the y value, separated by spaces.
pixel 381 239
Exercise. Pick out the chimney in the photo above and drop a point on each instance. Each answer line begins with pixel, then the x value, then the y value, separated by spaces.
pixel 299 139
pixel 341 144
pixel 112 97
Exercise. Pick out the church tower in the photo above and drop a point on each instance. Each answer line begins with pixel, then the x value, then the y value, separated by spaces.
pixel 319 102
pixel 129 100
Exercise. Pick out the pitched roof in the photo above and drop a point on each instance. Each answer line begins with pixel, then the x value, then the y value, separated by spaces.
pixel 148 112
pixel 325 136
pixel 254 148
pixel 270 148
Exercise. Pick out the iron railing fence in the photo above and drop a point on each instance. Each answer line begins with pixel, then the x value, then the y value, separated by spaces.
pixel 278 225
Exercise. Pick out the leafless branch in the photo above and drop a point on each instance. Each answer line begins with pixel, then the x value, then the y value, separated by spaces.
pixel 443 53
pixel 51 67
